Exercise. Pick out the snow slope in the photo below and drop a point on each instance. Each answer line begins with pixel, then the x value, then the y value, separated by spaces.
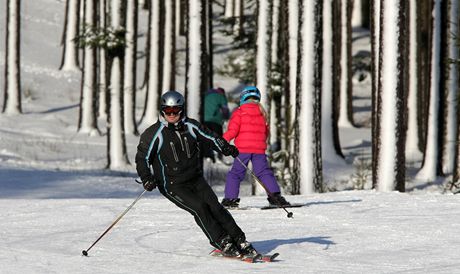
pixel 56 198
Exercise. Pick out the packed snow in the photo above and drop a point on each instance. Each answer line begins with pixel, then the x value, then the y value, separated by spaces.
pixel 57 198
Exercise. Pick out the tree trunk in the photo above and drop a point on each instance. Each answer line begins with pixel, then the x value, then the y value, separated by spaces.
pixel 117 157
pixel 309 104
pixel 169 57
pixel 150 115
pixel 293 59
pixel 413 152
pixel 391 101
pixel 12 98
pixel 430 168
pixel 130 71
pixel 451 87
pixel 71 28
pixel 375 72
pixel 197 82
pixel 102 85
pixel 346 112
pixel 329 128
pixel 88 116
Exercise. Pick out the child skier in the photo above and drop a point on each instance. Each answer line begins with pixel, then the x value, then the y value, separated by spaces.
pixel 170 147
pixel 248 126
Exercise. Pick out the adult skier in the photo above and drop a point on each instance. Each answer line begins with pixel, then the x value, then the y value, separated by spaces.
pixel 171 148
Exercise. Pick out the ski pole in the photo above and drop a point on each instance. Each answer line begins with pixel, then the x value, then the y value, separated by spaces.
pixel 289 214
pixel 85 252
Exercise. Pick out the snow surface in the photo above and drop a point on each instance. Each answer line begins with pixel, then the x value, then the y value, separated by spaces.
pixel 56 198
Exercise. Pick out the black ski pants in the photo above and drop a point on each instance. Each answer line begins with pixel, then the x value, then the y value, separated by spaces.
pixel 198 198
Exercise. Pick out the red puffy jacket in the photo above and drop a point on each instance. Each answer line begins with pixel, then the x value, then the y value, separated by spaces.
pixel 249 129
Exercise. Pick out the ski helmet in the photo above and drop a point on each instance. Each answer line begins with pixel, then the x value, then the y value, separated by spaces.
pixel 249 92
pixel 172 102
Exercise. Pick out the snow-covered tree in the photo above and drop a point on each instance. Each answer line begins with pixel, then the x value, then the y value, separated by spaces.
pixel 116 148
pixel 154 91
pixel 309 164
pixel 12 98
pixel 430 168
pixel 330 144
pixel 88 116
pixel 391 102
pixel 130 71
pixel 346 112
pixel 197 78
pixel 412 141
pixel 71 28
pixel 450 121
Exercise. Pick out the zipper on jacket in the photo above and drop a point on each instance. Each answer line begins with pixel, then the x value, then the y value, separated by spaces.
pixel 174 151
pixel 187 148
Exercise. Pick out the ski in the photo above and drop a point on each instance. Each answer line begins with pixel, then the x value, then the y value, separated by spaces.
pixel 287 206
pixel 246 259
pixel 268 257
pixel 264 207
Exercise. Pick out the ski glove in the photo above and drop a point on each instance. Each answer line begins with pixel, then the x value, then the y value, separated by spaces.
pixel 230 150
pixel 149 185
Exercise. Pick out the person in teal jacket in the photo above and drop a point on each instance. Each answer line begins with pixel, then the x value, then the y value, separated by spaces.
pixel 216 112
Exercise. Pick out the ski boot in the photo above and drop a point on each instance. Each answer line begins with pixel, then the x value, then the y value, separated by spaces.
pixel 228 248
pixel 276 200
pixel 246 249
pixel 231 203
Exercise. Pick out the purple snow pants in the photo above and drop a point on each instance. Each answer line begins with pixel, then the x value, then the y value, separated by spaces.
pixel 261 169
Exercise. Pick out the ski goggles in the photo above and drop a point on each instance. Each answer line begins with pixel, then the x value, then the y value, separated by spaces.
pixel 171 110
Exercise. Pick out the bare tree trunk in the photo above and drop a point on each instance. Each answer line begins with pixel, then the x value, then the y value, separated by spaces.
pixel 430 168
pixel 130 71
pixel 12 98
pixel 169 57
pixel 150 115
pixel 88 116
pixel 375 70
pixel 239 15
pixel 309 103
pixel 116 148
pixel 197 82
pixel 346 112
pixel 293 47
pixel 391 102
pixel 413 152
pixel 329 129
pixel 71 28
pixel 102 86
pixel 451 51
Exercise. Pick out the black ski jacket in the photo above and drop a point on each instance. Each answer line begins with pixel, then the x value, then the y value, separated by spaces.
pixel 173 151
